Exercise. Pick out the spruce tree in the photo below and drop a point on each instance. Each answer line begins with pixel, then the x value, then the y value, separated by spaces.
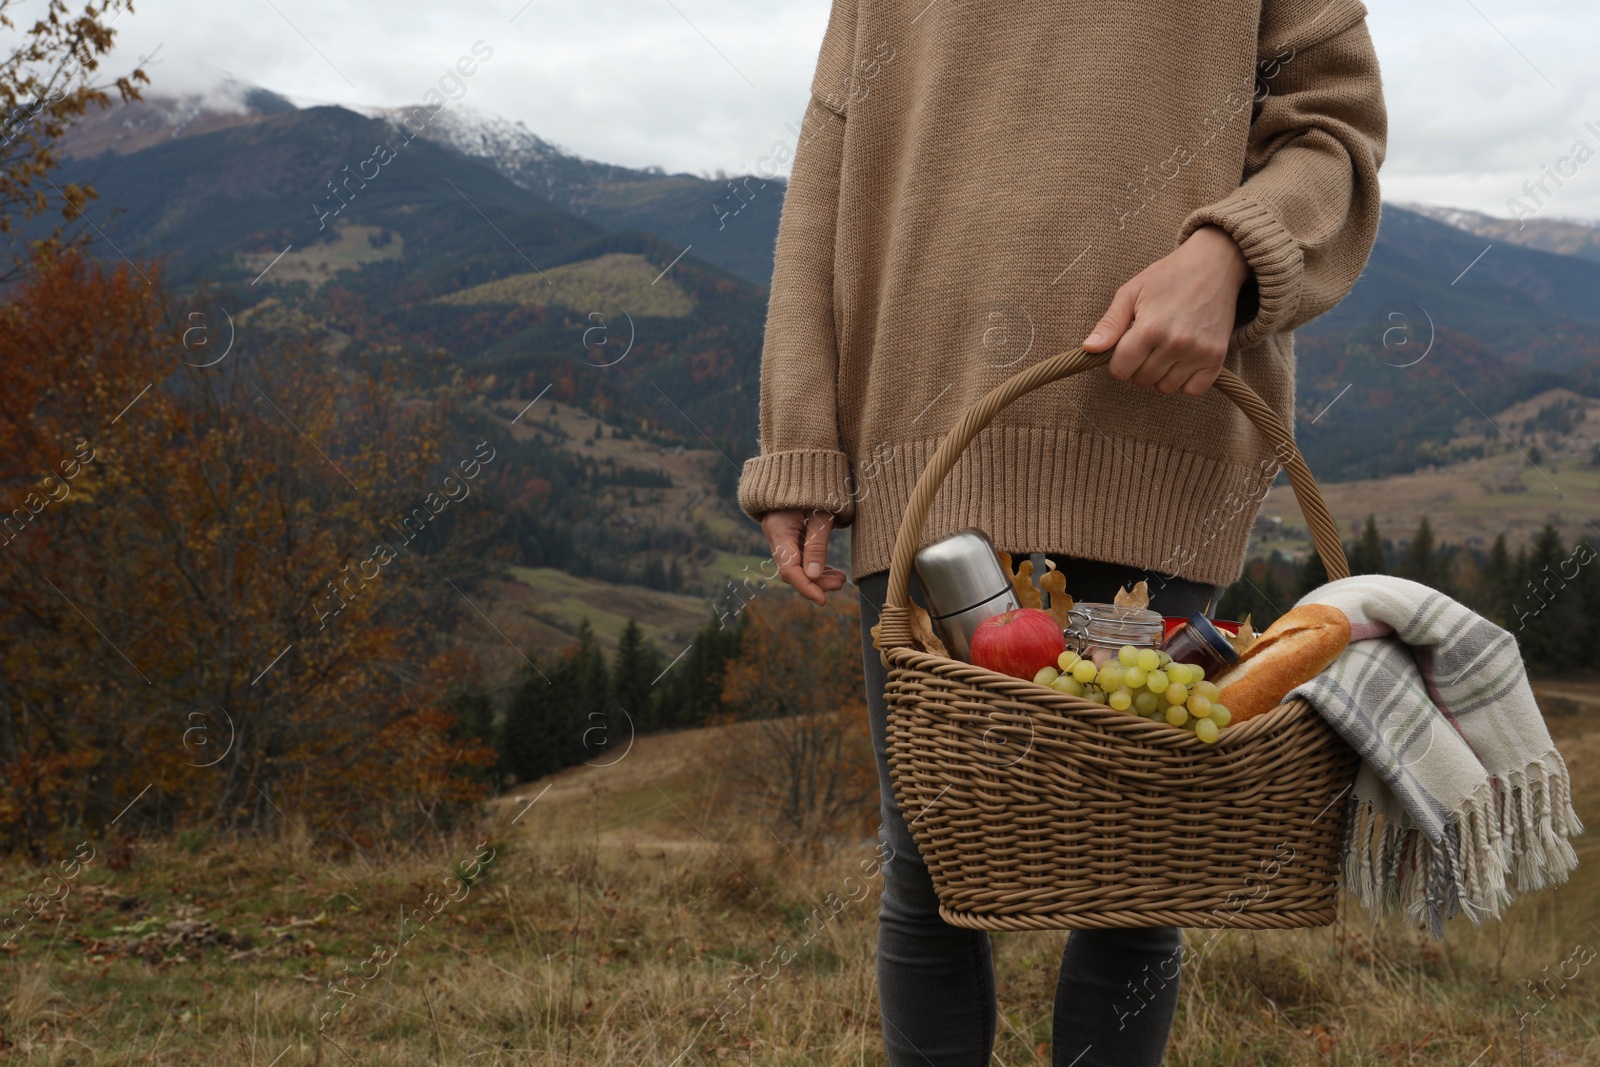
pixel 1548 616
pixel 637 664
pixel 529 743
pixel 1519 593
pixel 473 709
pixel 1258 595
pixel 594 723
pixel 1586 558
pixel 691 691
pixel 1313 574
pixel 1421 562
pixel 1274 597
pixel 1368 555
pixel 1497 583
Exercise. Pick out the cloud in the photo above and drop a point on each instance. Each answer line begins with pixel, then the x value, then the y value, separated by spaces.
pixel 698 85
pixel 1480 96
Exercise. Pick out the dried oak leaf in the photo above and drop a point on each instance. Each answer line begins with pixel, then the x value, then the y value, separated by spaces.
pixel 923 634
pixel 1022 585
pixel 1005 561
pixel 1137 597
pixel 1055 583
pixel 1244 639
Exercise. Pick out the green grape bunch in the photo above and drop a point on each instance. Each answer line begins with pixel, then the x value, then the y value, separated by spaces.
pixel 1145 682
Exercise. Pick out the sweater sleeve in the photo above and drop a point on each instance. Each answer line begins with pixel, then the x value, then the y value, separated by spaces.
pixel 801 464
pixel 1306 214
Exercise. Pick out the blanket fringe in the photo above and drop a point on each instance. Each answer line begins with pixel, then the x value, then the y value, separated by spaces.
pixel 1510 833
pixel 1536 817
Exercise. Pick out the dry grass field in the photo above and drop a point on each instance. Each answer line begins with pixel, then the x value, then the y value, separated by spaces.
pixel 1469 502
pixel 539 608
pixel 1465 503
pixel 690 502
pixel 351 246
pixel 614 280
pixel 623 909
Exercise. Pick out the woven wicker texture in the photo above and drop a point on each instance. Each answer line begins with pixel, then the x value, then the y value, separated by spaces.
pixel 1038 810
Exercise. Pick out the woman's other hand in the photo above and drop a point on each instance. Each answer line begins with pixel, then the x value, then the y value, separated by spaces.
pixel 799 541
pixel 1171 322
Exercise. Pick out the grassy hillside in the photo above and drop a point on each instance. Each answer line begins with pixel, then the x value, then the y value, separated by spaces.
pixel 541 608
pixel 350 247
pixel 1470 501
pixel 618 279
pixel 1466 503
pixel 692 504
pixel 623 906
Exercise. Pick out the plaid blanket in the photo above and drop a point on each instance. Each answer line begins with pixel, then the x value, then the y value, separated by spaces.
pixel 1461 796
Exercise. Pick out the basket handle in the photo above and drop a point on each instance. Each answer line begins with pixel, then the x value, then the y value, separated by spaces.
pixel 895 627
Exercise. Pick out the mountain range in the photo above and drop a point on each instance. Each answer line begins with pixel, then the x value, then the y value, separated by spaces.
pixel 474 243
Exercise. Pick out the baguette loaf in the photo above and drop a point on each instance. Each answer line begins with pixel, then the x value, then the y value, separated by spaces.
pixel 1295 649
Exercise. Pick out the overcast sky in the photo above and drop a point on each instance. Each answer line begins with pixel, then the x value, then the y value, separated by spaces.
pixel 1480 92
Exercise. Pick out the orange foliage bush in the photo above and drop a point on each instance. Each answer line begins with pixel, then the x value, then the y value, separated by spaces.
pixel 158 605
pixel 799 674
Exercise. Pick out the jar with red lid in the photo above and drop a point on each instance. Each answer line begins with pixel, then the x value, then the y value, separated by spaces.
pixel 1200 642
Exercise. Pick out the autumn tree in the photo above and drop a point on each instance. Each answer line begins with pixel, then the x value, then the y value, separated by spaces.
pixel 471 707
pixel 206 584
pixel 46 84
pixel 808 756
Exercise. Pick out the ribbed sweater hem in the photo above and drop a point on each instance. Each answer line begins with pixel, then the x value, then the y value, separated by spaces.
pixel 1181 513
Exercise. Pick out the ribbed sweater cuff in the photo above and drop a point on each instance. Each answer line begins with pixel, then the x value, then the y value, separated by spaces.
pixel 1271 251
pixel 806 478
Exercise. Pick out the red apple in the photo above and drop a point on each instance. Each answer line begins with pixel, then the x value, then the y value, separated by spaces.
pixel 1017 642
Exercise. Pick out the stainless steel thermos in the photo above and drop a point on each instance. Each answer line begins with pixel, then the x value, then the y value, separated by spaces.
pixel 963 583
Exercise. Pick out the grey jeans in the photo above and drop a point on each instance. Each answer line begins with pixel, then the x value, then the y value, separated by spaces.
pixel 1118 988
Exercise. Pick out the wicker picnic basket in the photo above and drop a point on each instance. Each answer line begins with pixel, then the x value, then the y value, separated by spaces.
pixel 1038 810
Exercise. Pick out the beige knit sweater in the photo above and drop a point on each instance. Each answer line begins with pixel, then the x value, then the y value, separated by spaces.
pixel 973 181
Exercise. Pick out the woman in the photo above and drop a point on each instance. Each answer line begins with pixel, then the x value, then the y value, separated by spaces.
pixel 978 186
